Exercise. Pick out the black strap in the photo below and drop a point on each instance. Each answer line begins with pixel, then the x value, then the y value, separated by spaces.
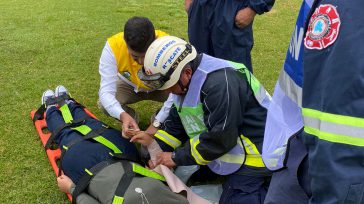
pixel 126 157
pixel 94 133
pixel 126 179
pixel 61 100
pixel 63 151
pixel 39 114
pixel 73 123
pixel 86 178
pixel 122 187
pixel 90 135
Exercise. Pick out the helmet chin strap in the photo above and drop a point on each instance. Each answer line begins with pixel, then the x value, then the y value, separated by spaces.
pixel 184 90
pixel 183 87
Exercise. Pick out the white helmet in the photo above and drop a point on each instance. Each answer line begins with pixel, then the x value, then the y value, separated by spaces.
pixel 164 61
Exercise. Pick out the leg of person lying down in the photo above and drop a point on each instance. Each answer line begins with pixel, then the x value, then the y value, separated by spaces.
pixel 85 154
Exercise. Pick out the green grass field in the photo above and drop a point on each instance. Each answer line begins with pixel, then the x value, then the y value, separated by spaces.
pixel 44 43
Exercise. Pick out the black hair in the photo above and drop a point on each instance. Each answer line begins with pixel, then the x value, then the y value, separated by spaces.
pixel 139 33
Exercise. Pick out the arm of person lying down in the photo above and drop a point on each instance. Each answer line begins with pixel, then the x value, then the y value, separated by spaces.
pixel 153 147
pixel 66 185
pixel 168 139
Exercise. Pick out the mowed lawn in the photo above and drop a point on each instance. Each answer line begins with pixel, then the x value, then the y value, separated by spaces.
pixel 44 43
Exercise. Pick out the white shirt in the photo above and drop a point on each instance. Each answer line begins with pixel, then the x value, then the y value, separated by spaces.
pixel 109 76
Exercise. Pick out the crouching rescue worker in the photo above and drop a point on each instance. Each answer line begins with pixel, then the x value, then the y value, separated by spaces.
pixel 99 165
pixel 217 120
pixel 120 61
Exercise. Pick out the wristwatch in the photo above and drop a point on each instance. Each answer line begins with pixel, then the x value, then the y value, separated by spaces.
pixel 156 123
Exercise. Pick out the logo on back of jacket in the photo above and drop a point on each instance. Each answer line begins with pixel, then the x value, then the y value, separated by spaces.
pixel 323 27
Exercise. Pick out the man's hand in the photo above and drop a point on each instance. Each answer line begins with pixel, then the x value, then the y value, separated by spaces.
pixel 188 5
pixel 142 138
pixel 129 125
pixel 165 158
pixel 64 183
pixel 244 17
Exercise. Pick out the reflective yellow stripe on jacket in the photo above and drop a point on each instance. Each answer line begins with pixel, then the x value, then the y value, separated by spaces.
pixel 253 157
pixel 334 128
pixel 168 139
pixel 228 158
pixel 234 158
pixel 194 152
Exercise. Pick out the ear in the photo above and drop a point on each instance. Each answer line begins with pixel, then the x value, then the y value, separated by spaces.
pixel 188 73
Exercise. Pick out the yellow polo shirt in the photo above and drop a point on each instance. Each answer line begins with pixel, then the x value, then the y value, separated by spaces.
pixel 127 66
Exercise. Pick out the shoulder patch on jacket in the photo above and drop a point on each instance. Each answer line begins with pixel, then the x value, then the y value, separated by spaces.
pixel 323 27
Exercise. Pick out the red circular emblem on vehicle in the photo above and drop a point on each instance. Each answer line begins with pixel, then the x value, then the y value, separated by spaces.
pixel 323 28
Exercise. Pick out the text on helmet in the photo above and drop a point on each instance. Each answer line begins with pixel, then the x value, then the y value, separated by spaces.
pixel 161 52
pixel 169 61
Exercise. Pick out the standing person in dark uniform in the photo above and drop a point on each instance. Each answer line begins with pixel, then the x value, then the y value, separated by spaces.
pixel 218 118
pixel 224 28
pixel 333 101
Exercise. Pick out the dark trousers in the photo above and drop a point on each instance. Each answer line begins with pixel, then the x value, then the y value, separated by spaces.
pixel 55 119
pixel 292 184
pixel 336 171
pixel 238 189
pixel 86 153
pixel 212 30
